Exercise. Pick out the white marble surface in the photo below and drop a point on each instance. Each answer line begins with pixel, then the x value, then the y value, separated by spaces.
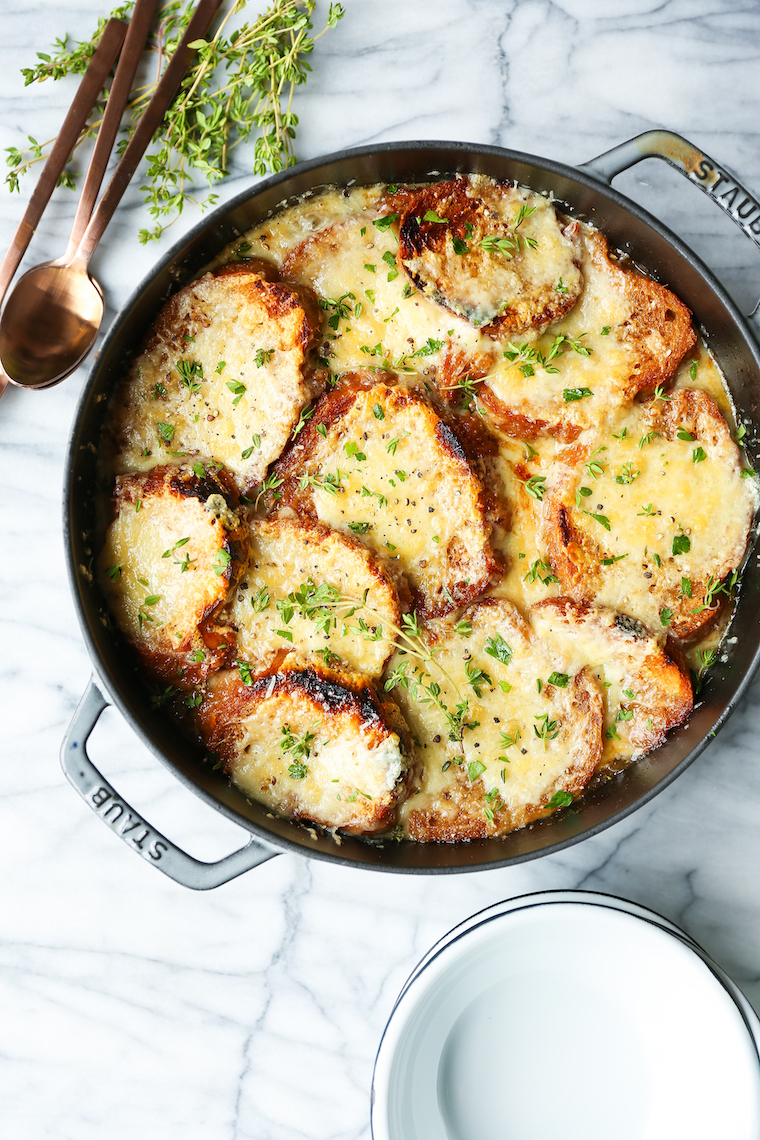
pixel 129 1005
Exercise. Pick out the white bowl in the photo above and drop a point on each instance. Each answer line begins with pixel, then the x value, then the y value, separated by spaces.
pixel 548 1016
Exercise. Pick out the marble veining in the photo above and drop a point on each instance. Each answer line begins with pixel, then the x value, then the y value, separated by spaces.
pixel 129 1005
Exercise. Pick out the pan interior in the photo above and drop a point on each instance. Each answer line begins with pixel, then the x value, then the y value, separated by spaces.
pixel 628 229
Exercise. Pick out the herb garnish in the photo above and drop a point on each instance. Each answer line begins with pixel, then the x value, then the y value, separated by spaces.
pixel 236 87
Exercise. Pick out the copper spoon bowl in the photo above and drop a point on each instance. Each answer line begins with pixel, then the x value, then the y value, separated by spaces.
pixel 54 313
pixel 79 112
pixel 49 324
pixel 52 318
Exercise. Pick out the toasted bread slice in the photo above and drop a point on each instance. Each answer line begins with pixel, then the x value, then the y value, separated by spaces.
pixel 646 693
pixel 516 476
pixel 310 744
pixel 494 254
pixel 287 605
pixel 380 314
pixel 224 372
pixel 525 746
pixel 170 557
pixel 653 514
pixel 626 335
pixel 377 461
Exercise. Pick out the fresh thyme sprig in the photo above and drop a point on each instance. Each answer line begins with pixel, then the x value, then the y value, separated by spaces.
pixel 242 82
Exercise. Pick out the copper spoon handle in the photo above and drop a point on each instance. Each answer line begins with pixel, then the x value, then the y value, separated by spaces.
pixel 78 114
pixel 118 97
pixel 147 126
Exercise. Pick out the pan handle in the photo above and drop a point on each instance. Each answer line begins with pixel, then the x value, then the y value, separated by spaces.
pixel 741 206
pixel 154 847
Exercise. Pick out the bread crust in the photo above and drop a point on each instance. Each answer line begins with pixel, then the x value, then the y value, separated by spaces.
pixel 172 553
pixel 415 467
pixel 687 539
pixel 226 370
pixel 505 292
pixel 286 554
pixel 350 775
pixel 530 749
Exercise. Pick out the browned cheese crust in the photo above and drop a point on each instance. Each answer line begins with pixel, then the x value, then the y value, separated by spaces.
pixel 529 748
pixel 646 693
pixel 663 521
pixel 225 371
pixel 482 262
pixel 657 330
pixel 312 744
pixel 171 555
pixel 377 461
pixel 626 335
pixel 289 558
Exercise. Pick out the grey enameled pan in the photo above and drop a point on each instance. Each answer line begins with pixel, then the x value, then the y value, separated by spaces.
pixel 584 192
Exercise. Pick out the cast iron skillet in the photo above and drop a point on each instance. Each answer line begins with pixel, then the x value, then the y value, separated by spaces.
pixel 584 192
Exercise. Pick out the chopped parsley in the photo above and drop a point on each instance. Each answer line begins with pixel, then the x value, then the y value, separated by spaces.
pixel 627 474
pixel 238 390
pixel 221 561
pixel 250 450
pixel 390 261
pixel 535 486
pixel 385 223
pixel 546 729
pixel 191 374
pixel 541 570
pixel 263 356
pixel 497 647
pixel 352 451
pixel 474 769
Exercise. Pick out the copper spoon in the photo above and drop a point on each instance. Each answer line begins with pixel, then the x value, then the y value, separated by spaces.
pixel 52 318
pixel 79 112
pixel 31 287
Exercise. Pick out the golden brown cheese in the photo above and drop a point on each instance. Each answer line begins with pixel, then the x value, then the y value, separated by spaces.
pixel 310 744
pixel 645 691
pixel 626 334
pixel 170 556
pixel 377 461
pixel 526 747
pixel 286 556
pixel 223 373
pixel 652 514
pixel 378 318
pixel 495 254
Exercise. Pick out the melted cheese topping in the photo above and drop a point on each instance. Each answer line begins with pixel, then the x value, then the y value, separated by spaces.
pixel 662 515
pixel 284 556
pixel 383 471
pixel 529 738
pixel 308 762
pixel 222 378
pixel 161 568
